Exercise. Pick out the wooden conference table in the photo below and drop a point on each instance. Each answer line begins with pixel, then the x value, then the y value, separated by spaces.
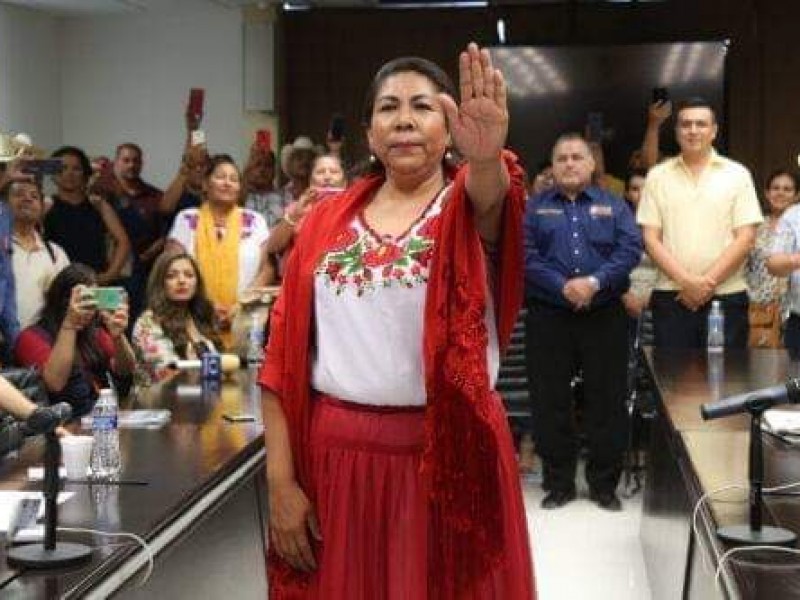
pixel 203 508
pixel 689 457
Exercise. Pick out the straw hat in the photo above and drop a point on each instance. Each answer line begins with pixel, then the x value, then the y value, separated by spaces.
pixel 300 143
pixel 12 147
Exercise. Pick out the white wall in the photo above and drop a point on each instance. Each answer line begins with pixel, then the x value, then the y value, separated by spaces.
pixel 127 78
pixel 30 85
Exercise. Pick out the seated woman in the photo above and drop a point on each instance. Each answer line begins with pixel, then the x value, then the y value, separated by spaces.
pixel 179 321
pixel 227 241
pixel 77 348
pixel 327 177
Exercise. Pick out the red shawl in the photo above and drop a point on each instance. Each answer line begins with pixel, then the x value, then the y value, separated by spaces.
pixel 460 458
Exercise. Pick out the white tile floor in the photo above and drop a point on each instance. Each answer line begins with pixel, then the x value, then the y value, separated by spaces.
pixel 582 551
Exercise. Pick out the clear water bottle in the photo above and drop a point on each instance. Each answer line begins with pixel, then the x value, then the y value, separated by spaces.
pixel 105 461
pixel 255 341
pixel 716 328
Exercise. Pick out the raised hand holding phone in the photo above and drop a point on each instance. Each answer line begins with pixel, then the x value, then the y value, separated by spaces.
pixel 194 108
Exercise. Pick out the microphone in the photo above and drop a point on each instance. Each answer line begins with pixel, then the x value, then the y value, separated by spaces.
pixel 788 393
pixel 42 420
pixel 46 418
pixel 228 362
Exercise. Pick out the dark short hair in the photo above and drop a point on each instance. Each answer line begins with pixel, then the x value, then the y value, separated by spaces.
pixel 782 172
pixel 571 136
pixel 220 159
pixel 696 102
pixel 405 64
pixel 634 173
pixel 129 146
pixel 86 165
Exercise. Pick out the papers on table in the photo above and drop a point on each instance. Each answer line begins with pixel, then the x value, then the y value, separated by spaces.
pixel 782 421
pixel 10 498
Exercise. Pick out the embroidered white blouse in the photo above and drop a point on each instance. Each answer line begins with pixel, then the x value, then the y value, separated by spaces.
pixel 369 302
pixel 254 233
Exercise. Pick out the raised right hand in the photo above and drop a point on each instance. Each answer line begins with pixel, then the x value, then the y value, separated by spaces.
pixel 291 518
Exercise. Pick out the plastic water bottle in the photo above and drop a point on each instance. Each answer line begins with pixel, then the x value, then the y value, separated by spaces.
pixel 105 459
pixel 255 341
pixel 716 328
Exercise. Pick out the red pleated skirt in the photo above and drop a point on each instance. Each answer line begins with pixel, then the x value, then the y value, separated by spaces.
pixel 372 510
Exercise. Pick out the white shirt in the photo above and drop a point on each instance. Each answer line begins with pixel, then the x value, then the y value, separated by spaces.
pixel 33 272
pixel 369 302
pixel 254 234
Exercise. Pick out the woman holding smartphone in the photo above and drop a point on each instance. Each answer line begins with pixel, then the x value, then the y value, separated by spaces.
pixel 179 320
pixel 327 178
pixel 78 348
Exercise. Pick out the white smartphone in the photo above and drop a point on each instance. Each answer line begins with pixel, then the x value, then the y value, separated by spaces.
pixel 198 137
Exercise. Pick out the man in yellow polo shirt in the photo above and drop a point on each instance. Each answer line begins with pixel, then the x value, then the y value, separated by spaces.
pixel 699 213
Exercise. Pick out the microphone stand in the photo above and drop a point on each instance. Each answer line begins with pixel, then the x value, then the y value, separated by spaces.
pixel 50 554
pixel 755 533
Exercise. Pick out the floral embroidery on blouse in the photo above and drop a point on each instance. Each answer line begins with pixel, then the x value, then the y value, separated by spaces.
pixel 153 348
pixel 362 260
pixel 248 222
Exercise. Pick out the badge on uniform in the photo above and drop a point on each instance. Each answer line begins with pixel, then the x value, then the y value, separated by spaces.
pixel 601 210
pixel 549 211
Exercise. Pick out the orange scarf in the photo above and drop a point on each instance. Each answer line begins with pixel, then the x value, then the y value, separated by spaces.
pixel 219 258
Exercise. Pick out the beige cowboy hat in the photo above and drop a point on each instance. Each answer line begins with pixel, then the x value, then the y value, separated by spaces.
pixel 300 143
pixel 14 146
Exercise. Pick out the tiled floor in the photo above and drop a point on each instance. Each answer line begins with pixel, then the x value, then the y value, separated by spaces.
pixel 582 551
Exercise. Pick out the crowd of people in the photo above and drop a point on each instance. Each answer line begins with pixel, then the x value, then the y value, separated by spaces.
pixel 400 288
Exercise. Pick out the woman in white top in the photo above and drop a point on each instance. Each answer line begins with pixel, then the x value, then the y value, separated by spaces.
pixel 390 467
pixel 227 241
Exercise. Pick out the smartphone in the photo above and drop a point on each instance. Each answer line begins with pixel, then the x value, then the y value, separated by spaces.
pixel 594 127
pixel 336 129
pixel 42 166
pixel 198 137
pixel 108 298
pixel 238 418
pixel 196 100
pixel 660 94
pixel 264 140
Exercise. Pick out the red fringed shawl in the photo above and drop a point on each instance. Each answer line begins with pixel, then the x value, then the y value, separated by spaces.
pixel 460 458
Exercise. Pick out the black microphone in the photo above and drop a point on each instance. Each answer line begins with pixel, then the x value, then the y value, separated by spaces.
pixel 788 393
pixel 46 418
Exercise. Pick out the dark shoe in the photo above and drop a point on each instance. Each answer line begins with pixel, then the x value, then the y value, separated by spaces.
pixel 606 500
pixel 558 498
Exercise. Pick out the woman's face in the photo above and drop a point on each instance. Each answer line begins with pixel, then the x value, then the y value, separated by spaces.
pixel 408 129
pixel 71 177
pixel 781 193
pixel 180 281
pixel 327 172
pixel 223 185
pixel 633 193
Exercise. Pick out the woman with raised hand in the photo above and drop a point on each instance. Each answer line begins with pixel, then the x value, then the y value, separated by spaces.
pixel 390 466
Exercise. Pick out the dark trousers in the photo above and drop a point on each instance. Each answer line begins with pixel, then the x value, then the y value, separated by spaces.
pixel 675 326
pixel 559 343
pixel 791 336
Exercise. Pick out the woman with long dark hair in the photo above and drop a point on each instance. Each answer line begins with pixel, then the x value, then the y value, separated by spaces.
pixel 78 348
pixel 179 322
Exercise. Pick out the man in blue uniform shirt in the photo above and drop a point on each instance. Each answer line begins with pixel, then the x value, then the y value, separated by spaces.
pixel 581 243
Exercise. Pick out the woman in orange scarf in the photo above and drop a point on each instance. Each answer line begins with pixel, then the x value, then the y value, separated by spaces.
pixel 390 467
pixel 227 241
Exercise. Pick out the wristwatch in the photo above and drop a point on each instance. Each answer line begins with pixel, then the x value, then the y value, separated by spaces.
pixel 594 281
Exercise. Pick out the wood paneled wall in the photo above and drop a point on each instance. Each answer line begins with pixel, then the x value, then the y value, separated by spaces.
pixel 328 57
